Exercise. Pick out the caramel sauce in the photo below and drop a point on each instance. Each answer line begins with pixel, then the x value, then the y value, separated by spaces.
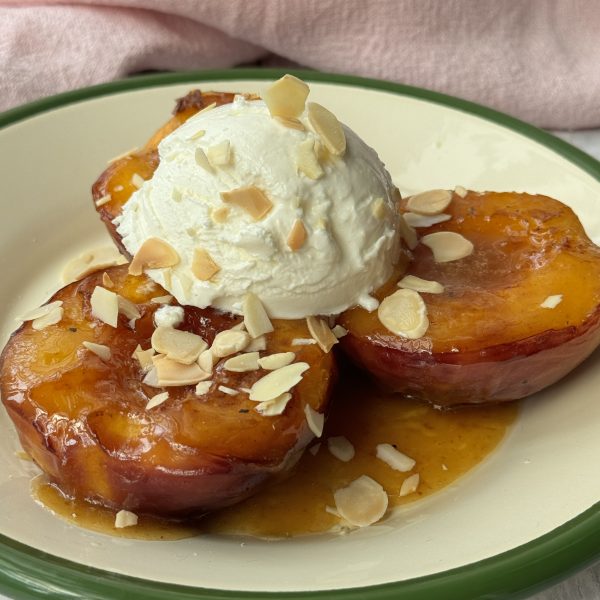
pixel 445 445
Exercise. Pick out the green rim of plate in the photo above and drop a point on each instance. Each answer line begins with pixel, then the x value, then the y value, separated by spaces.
pixel 27 573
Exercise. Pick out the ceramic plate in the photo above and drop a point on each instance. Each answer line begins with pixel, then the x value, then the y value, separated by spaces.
pixel 525 517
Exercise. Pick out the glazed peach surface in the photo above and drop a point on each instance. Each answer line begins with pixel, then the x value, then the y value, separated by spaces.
pixel 85 420
pixel 489 337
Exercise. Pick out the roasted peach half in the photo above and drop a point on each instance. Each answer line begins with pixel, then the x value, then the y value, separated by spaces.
pixel 515 316
pixel 84 418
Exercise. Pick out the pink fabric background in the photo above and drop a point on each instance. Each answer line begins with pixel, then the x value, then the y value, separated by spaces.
pixel 536 59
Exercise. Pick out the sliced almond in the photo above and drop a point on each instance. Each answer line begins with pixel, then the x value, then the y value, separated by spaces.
pixel 202 160
pixel 229 342
pixel 404 313
pixel 151 377
pixel 306 160
pixel 40 311
pixel 432 202
pixel 91 261
pixel 274 407
pixel 144 357
pixel 256 319
pixel 203 387
pixel 172 373
pixel 297 236
pixel 459 190
pixel 552 301
pixel 277 382
pixel 157 400
pixel 328 127
pixel 286 97
pixel 257 344
pixel 361 503
pixel 206 361
pixel 197 135
pixel 203 266
pixel 118 188
pixel 303 342
pixel 227 390
pixel 51 318
pixel 220 154
pixel 107 282
pixel 447 246
pixel 220 214
pixel 154 253
pixel 103 200
pixel 416 220
pixel 162 299
pixel 251 199
pixel 411 282
pixel 319 329
pixel 291 123
pixel 341 448
pixel 394 458
pixel 339 331
pixel 410 485
pixel 407 233
pixel 242 363
pixel 276 361
pixel 137 180
pixel 105 306
pixel 315 420
pixel 99 350
pixel 128 308
pixel 125 518
pixel 181 346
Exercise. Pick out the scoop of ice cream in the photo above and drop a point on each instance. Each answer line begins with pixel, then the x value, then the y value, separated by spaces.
pixel 252 203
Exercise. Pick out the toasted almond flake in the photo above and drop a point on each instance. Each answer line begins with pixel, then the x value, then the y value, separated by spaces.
pixel 229 342
pixel 99 350
pixel 172 373
pixel 315 448
pixel 303 342
pixel 321 333
pixel 105 306
pixel 415 220
pixel 256 319
pixel 394 458
pixel 432 202
pixel 341 448
pixel 51 318
pixel 339 331
pixel 552 301
pixel 227 390
pixel 328 127
pixel 251 199
pixel 154 253
pixel 411 282
pixel 274 407
pixel 286 97
pixel 202 160
pixel 91 261
pixel 107 282
pixel 118 188
pixel 169 316
pixel 197 135
pixel 220 214
pixel 242 363
pixel 407 233
pixel 151 377
pixel 128 308
pixel 332 511
pixel 181 346
pixel 131 323
pixel 459 190
pixel 206 361
pixel 296 236
pixel 410 485
pixel 220 154
pixel 162 299
pixel 276 361
pixel 245 390
pixel 306 160
pixel 207 108
pixel 361 503
pixel 125 518
pixel 144 357
pixel 123 155
pixel 323 155
pixel 137 180
pixel 314 419
pixel 291 123
pixel 405 314
pixel 277 382
pixel 157 400
pixel 203 266
pixel 104 200
pixel 40 311
pixel 257 344
pixel 378 208
pixel 203 387
pixel 447 246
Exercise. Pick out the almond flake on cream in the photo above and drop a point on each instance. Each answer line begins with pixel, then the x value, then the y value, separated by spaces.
pixel 256 319
pixel 250 199
pixel 203 266
pixel 296 236
pixel 154 253
pixel 306 160
pixel 286 97
pixel 330 130
pixel 220 154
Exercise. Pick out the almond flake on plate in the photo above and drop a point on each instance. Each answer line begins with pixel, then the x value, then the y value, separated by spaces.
pixel 277 382
pixel 99 350
pixel 229 342
pixel 404 313
pixel 321 333
pixel 273 362
pixel 250 199
pixel 172 373
pixel 256 319
pixel 157 400
pixel 341 448
pixel 394 458
pixel 286 97
pixel 306 160
pixel 105 306
pixel 415 220
pixel 362 502
pixel 315 420
pixel 411 282
pixel 432 202
pixel 203 266
pixel 181 346
pixel 297 236
pixel 203 387
pixel 125 518
pixel 154 253
pixel 275 407
pixel 91 261
pixel 330 130
pixel 447 246
pixel 552 301
pixel 220 214
pixel 242 363
pixel 410 485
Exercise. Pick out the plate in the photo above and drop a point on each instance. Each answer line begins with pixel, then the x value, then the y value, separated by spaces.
pixel 524 518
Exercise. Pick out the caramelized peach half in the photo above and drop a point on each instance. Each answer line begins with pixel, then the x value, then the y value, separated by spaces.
pixel 85 423
pixel 493 334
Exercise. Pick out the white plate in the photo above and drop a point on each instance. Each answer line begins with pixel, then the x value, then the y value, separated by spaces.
pixel 544 475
